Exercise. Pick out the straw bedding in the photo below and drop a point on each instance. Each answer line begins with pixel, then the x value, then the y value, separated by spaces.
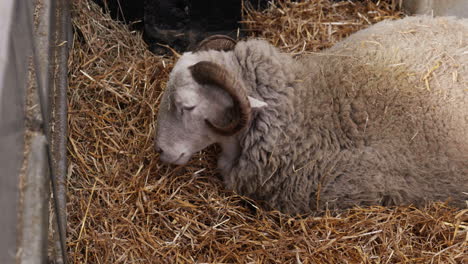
pixel 124 206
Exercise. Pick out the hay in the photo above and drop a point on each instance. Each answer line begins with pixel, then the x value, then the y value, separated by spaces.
pixel 126 207
pixel 313 25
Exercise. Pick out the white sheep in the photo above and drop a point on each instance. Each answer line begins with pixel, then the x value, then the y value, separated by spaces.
pixel 380 118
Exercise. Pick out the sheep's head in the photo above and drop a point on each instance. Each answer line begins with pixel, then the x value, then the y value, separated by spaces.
pixel 203 104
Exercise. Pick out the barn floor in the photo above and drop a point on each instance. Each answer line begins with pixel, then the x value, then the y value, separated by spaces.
pixel 124 206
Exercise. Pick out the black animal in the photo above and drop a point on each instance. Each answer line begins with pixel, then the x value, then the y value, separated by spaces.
pixel 179 24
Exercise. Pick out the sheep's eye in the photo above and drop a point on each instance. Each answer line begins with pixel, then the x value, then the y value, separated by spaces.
pixel 190 108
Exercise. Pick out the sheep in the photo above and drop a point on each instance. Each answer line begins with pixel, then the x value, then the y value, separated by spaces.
pixel 381 118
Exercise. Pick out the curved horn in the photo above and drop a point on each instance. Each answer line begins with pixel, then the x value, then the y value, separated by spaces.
pixel 206 72
pixel 216 42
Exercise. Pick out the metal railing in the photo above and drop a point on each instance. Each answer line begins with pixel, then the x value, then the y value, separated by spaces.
pixel 35 37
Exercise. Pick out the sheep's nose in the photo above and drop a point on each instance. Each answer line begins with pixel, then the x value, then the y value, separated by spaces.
pixel 159 150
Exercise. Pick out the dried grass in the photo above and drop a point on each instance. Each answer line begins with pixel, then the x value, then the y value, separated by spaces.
pixel 126 207
pixel 307 26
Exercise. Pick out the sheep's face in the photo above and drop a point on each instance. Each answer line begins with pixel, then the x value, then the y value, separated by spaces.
pixel 203 104
pixel 181 126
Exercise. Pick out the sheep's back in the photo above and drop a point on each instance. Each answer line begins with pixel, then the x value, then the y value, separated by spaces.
pixel 378 118
pixel 398 90
pixel 408 79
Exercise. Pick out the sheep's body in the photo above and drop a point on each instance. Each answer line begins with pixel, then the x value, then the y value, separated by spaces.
pixel 381 118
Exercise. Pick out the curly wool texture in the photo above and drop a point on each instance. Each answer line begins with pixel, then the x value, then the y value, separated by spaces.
pixel 380 118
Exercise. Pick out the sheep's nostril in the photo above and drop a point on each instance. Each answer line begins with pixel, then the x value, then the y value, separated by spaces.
pixel 159 150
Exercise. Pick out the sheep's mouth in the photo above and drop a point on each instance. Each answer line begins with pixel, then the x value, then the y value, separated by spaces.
pixel 181 160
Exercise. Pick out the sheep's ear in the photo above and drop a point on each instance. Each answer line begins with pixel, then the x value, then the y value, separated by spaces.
pixel 255 103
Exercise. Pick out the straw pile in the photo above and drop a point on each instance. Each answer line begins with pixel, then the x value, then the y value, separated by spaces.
pixel 126 207
pixel 314 25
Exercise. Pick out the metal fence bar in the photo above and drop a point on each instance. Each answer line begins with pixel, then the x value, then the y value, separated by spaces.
pixel 24 194
pixel 14 52
pixel 53 103
pixel 35 205
pixel 59 109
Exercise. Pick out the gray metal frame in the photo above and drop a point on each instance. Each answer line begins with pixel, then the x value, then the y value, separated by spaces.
pixel 42 41
pixel 14 52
